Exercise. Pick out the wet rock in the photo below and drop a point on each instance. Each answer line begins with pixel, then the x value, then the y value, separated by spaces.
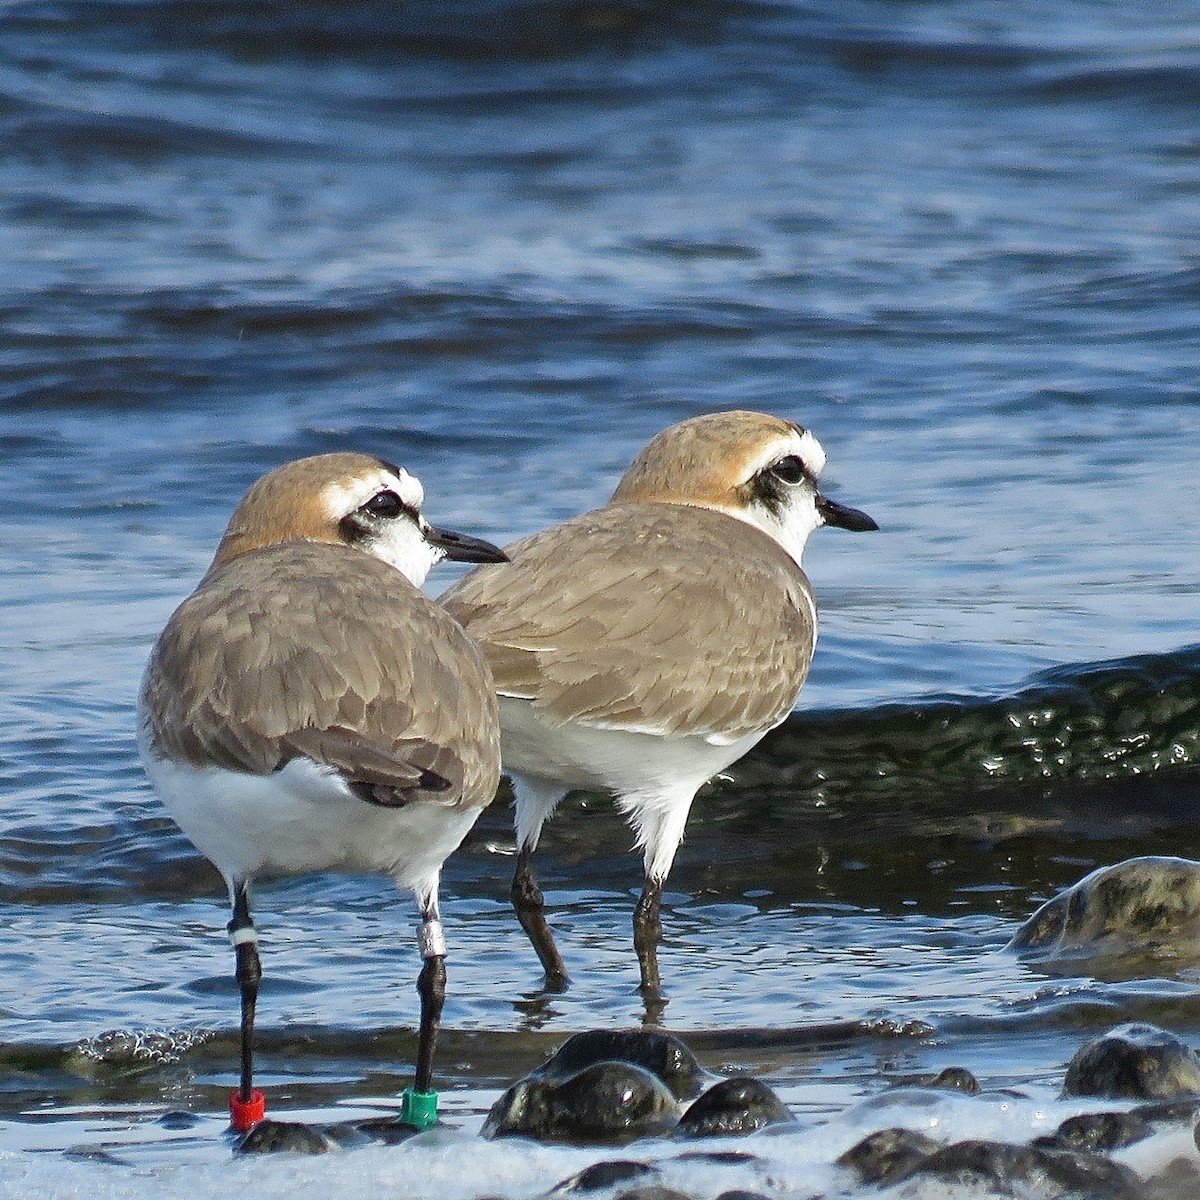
pixel 604 1103
pixel 653 1191
pixel 957 1079
pixel 1005 1168
pixel 1178 1180
pixel 389 1130
pixel 1134 1062
pixel 1174 1112
pixel 271 1136
pixel 96 1154
pixel 734 1106
pixel 125 1048
pixel 741 1194
pixel 604 1175
pixel 888 1154
pixel 178 1119
pixel 659 1053
pixel 892 1155
pixel 728 1158
pixel 1140 908
pixel 1097 1131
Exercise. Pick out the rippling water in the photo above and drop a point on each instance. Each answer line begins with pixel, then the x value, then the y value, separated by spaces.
pixel 504 244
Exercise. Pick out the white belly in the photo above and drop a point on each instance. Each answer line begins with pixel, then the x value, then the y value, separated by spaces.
pixel 303 818
pixel 615 760
pixel 654 777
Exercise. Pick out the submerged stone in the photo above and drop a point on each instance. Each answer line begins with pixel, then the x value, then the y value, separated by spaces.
pixel 1134 1062
pixel 604 1175
pixel 389 1130
pixel 659 1053
pixel 653 1191
pixel 603 1103
pixel 1178 1180
pixel 1097 1131
pixel 955 1079
pixel 124 1048
pixel 1141 908
pixel 96 1154
pixel 893 1155
pixel 728 1158
pixel 734 1106
pixel 888 1154
pixel 1172 1112
pixel 272 1137
pixel 1003 1166
pixel 178 1119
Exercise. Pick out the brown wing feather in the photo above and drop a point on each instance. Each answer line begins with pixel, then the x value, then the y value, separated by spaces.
pixel 645 616
pixel 284 652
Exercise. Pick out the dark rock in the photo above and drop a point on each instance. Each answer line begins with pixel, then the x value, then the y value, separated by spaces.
pixel 955 1079
pixel 1141 908
pixel 178 1119
pixel 125 1048
pixel 1097 1131
pixel 1134 1062
pixel 653 1191
pixel 888 1154
pixel 659 1053
pixel 604 1175
pixel 388 1130
pixel 1173 1112
pixel 741 1194
pixel 1178 1180
pixel 1056 1173
pixel 734 1106
pixel 271 1136
pixel 727 1158
pixel 605 1103
pixel 96 1154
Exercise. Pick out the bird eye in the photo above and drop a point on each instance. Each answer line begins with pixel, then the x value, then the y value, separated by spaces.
pixel 789 469
pixel 384 504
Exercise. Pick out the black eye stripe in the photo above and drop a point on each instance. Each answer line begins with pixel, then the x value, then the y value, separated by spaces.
pixel 367 519
pixel 384 504
pixel 789 469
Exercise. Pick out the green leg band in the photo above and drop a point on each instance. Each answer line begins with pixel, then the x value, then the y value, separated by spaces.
pixel 418 1108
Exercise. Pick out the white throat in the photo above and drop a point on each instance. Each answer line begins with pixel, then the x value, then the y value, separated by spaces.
pixel 402 544
pixel 791 529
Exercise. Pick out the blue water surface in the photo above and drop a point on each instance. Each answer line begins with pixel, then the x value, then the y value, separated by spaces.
pixel 505 244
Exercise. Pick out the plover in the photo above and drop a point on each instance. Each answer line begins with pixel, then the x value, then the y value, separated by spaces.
pixel 308 709
pixel 642 648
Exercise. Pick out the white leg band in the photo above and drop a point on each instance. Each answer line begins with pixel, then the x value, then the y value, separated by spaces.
pixel 431 939
pixel 244 935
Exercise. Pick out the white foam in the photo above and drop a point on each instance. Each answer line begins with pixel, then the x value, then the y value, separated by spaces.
pixel 456 1164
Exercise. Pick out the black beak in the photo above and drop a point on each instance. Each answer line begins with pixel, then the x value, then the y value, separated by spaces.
pixel 833 513
pixel 461 547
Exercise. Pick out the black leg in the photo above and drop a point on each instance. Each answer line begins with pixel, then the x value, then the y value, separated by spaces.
pixel 527 899
pixel 249 972
pixel 420 1101
pixel 431 987
pixel 647 933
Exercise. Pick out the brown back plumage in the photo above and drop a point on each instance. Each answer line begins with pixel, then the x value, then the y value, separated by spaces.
pixel 324 651
pixel 666 618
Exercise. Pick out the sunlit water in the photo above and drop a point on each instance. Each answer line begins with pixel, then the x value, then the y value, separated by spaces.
pixel 505 245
